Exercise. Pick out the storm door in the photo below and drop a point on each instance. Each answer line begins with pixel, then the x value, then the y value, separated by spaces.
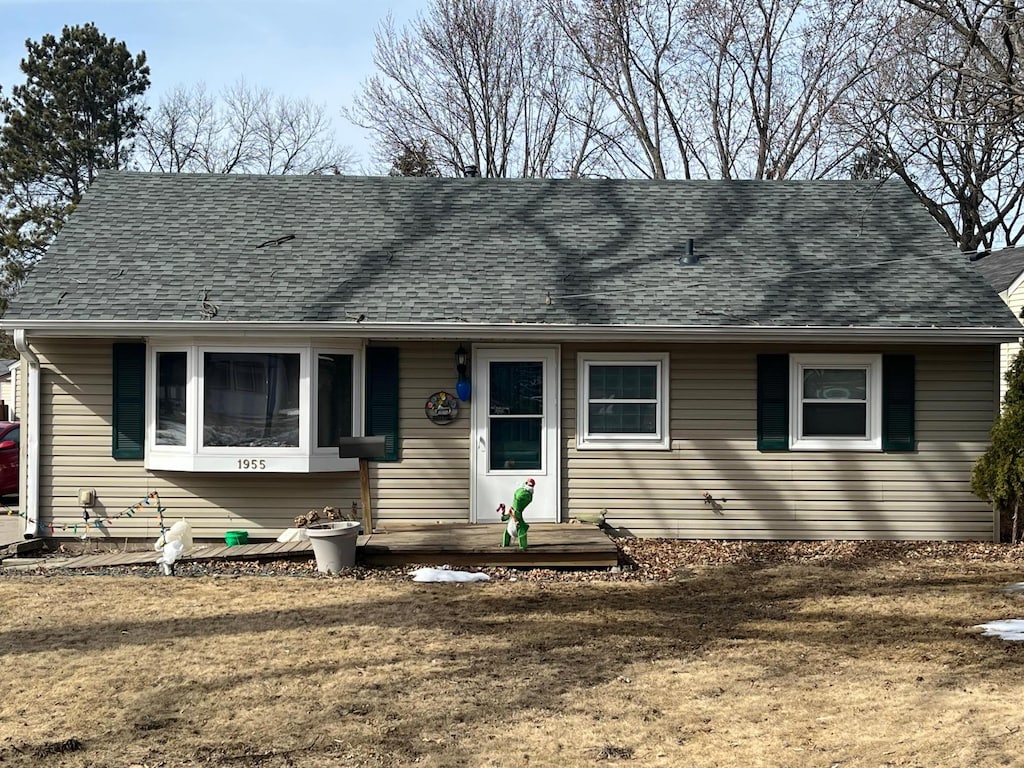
pixel 515 429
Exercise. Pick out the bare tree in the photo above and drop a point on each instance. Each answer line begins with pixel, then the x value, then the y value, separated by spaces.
pixel 484 83
pixel 944 115
pixel 634 52
pixel 244 130
pixel 992 32
pixel 784 71
pixel 726 88
pixel 179 131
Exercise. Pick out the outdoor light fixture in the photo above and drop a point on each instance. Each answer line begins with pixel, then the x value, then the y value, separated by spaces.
pixel 462 386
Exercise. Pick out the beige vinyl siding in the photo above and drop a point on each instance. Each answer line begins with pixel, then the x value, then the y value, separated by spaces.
pixel 431 482
pixel 922 495
pixel 806 495
pixel 1008 352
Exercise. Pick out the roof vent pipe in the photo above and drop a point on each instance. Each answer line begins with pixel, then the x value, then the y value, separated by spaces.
pixel 690 257
pixel 470 171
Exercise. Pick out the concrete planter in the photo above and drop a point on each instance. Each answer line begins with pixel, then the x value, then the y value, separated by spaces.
pixel 334 545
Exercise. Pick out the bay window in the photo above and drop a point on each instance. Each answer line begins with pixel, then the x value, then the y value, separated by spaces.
pixel 216 408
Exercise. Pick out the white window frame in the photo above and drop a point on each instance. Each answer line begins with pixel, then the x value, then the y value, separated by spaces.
pixel 357 398
pixel 872 365
pixel 585 440
pixel 194 457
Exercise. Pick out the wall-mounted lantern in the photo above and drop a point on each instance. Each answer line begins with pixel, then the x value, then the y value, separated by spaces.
pixel 462 386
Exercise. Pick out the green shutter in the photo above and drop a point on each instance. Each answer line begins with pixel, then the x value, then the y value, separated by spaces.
pixel 898 403
pixel 129 411
pixel 773 402
pixel 381 410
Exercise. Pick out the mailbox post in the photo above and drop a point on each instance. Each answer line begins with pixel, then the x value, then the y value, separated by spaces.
pixel 364 449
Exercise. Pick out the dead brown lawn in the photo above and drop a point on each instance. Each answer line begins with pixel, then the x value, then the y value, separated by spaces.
pixel 788 665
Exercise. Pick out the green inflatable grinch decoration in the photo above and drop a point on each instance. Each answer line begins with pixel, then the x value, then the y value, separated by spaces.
pixel 517 526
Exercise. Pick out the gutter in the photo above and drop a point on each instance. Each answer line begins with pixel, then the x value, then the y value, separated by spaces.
pixel 30 436
pixel 513 331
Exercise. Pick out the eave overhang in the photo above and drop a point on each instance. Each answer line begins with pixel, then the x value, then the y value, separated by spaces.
pixel 508 331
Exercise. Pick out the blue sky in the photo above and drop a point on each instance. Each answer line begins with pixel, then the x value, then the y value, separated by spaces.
pixel 321 49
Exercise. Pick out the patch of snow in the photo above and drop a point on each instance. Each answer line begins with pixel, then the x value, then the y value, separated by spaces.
pixel 446 575
pixel 1008 629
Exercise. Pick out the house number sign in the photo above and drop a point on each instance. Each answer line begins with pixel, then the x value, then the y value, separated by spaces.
pixel 442 408
pixel 253 465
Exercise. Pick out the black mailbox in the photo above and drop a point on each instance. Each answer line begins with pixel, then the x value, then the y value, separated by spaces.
pixel 372 447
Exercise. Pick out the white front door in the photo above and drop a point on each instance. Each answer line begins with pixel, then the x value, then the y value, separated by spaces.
pixel 515 430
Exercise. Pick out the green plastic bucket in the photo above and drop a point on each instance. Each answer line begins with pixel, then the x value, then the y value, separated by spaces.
pixel 234 538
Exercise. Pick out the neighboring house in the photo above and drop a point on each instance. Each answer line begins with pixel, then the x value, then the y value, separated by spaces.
pixel 722 359
pixel 1004 271
pixel 9 390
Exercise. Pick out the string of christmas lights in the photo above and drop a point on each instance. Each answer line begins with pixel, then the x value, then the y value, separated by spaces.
pixel 151 500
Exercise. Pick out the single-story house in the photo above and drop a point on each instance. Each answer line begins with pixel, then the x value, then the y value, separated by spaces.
pixel 722 359
pixel 1004 271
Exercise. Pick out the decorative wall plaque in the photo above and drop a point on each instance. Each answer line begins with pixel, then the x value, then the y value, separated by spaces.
pixel 442 407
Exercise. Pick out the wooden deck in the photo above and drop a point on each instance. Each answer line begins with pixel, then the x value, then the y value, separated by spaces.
pixel 552 545
pixel 262 551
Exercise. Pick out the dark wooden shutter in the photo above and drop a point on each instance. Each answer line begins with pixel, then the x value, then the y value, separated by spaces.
pixel 381 397
pixel 773 402
pixel 129 411
pixel 898 403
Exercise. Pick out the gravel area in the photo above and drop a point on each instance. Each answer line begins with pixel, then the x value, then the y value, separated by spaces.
pixel 641 560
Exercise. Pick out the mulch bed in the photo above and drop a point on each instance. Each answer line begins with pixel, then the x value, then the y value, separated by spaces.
pixel 642 560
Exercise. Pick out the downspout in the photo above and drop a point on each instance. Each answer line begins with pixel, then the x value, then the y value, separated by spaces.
pixel 30 436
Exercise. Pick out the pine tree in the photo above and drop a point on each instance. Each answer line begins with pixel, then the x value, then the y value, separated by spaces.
pixel 868 164
pixel 75 114
pixel 998 475
pixel 415 160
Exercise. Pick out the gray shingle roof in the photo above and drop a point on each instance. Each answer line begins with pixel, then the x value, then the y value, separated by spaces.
pixel 1001 268
pixel 779 253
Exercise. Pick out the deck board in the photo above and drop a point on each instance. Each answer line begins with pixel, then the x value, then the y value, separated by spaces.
pixel 551 545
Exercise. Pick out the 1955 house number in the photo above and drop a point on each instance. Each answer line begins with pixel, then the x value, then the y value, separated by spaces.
pixel 252 464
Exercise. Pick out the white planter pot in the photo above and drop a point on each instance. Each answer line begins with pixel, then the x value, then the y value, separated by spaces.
pixel 334 544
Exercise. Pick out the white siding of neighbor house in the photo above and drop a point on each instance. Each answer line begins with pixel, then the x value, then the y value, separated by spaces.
pixel 820 495
pixel 1008 352
pixel 806 495
pixel 9 388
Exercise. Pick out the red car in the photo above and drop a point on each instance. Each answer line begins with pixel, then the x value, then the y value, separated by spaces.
pixel 10 452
